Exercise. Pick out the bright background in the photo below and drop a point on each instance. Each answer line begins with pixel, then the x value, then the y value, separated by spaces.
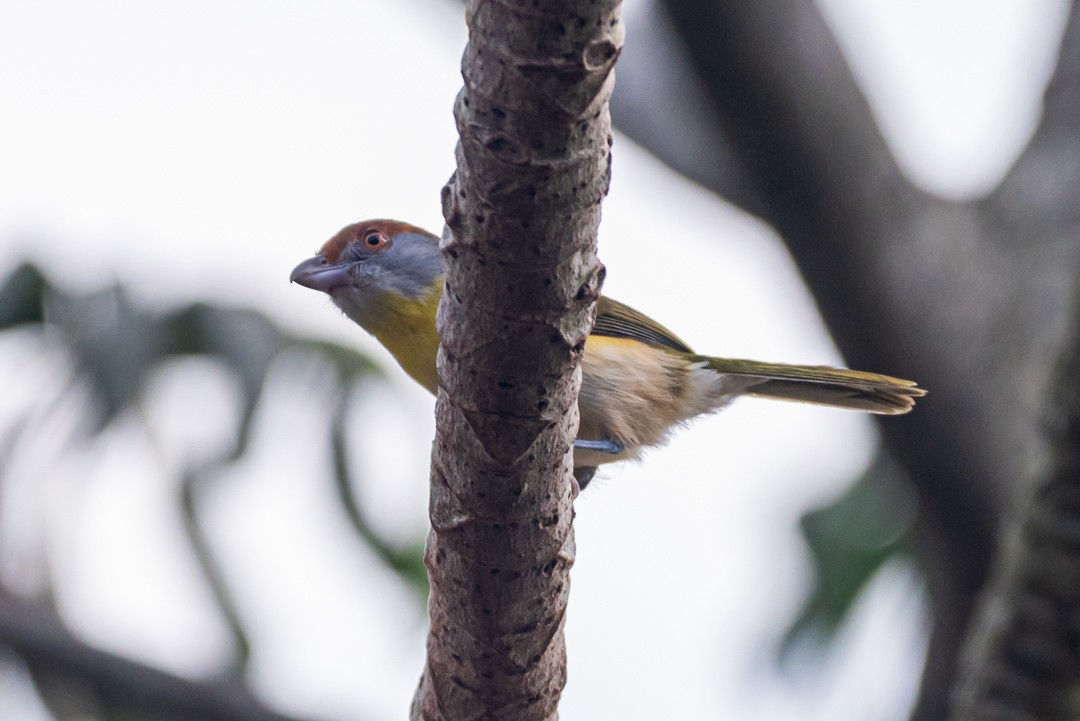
pixel 201 149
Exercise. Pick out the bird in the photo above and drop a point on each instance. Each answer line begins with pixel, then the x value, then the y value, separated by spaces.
pixel 639 380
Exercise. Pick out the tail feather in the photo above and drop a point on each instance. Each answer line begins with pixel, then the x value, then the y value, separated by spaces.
pixel 822 385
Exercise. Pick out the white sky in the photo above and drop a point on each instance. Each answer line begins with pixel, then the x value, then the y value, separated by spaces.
pixel 201 149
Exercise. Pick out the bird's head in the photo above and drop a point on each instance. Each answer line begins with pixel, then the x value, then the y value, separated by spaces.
pixel 376 271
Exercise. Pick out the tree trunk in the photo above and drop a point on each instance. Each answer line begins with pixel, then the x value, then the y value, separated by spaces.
pixel 522 276
pixel 972 299
pixel 1023 654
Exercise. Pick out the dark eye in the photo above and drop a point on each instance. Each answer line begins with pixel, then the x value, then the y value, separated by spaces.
pixel 374 240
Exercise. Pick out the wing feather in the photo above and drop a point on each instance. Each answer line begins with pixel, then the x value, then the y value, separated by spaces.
pixel 822 385
pixel 618 320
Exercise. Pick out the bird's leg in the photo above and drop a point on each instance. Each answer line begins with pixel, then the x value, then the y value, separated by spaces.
pixel 606 446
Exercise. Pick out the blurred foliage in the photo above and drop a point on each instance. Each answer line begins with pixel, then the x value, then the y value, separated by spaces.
pixel 850 541
pixel 115 345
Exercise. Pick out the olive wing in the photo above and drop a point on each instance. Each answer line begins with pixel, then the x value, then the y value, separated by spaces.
pixel 618 320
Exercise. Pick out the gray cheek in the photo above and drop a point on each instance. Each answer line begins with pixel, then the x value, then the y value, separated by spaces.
pixel 353 302
pixel 411 270
pixel 389 276
pixel 409 286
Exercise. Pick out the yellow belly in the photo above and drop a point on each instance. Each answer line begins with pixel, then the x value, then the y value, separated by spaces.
pixel 407 331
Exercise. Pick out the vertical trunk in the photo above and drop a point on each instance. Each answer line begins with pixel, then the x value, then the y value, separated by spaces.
pixel 1023 658
pixel 522 274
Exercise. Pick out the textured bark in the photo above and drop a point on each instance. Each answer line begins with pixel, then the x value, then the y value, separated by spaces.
pixel 1023 659
pixel 522 274
pixel 970 299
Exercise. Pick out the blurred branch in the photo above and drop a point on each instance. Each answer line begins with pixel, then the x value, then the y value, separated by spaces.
pixel 1023 655
pixel 113 346
pixel 213 574
pixel 408 562
pixel 1040 188
pixel 40 640
pixel 792 111
pixel 895 298
pixel 191 485
pixel 658 91
pixel 23 293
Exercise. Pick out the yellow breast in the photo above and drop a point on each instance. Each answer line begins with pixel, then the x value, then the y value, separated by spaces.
pixel 407 330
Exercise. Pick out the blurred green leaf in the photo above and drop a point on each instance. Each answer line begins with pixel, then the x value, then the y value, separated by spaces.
pixel 850 540
pixel 116 345
pixel 408 560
